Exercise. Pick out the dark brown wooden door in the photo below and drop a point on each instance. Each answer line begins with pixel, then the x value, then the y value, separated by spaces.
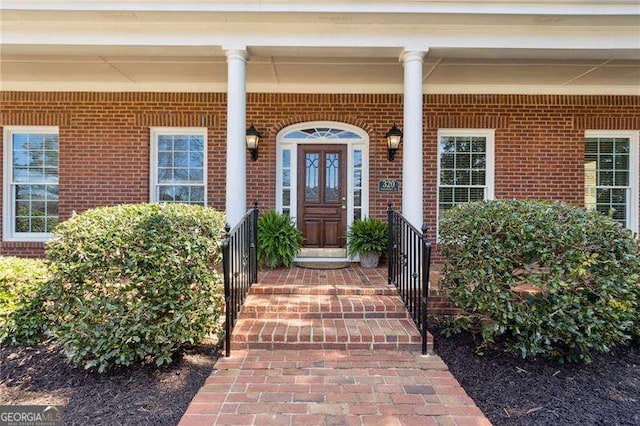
pixel 322 194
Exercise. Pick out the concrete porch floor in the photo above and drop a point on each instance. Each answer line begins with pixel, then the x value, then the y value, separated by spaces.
pixel 329 347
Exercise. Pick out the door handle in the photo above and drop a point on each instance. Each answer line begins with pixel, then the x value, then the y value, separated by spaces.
pixel 344 207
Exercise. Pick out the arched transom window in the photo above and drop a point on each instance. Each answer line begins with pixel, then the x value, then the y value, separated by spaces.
pixel 322 133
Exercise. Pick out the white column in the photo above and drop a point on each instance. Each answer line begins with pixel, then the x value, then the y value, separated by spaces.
pixel 236 199
pixel 412 180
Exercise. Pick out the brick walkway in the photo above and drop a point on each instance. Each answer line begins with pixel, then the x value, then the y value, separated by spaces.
pixel 329 348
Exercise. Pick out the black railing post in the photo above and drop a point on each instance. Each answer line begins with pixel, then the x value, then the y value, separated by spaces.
pixel 228 326
pixel 390 244
pixel 426 262
pixel 254 244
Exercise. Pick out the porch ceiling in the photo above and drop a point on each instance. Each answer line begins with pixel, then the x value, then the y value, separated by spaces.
pixel 199 68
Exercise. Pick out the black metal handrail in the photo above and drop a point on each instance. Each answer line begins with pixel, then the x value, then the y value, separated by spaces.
pixel 409 261
pixel 240 268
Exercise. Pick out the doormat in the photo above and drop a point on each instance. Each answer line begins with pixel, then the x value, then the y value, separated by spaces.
pixel 323 265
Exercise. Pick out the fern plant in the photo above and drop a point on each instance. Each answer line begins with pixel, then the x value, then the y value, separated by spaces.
pixel 278 240
pixel 367 236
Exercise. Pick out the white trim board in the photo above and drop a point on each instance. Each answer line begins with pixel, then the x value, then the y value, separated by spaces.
pixel 196 87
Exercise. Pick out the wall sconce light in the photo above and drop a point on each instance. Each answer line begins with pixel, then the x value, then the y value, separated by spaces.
pixel 253 136
pixel 394 136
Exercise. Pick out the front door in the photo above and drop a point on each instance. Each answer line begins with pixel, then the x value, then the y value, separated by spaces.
pixel 322 195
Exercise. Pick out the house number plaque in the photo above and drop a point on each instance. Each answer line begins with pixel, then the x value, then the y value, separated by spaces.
pixel 388 185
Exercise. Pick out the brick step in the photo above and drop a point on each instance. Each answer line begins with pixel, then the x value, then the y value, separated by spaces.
pixel 345 334
pixel 324 289
pixel 308 306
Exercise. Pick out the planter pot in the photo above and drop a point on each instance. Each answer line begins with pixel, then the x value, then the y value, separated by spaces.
pixel 369 260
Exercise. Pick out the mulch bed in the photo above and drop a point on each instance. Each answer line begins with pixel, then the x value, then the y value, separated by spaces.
pixel 511 391
pixel 141 395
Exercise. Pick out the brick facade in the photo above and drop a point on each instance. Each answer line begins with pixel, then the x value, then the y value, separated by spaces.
pixel 104 140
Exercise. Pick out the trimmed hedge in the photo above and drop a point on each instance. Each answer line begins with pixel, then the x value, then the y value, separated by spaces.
pixel 134 283
pixel 22 320
pixel 540 279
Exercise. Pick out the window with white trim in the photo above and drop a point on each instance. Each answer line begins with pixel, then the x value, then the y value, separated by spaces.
pixel 178 172
pixel 611 175
pixel 465 166
pixel 30 182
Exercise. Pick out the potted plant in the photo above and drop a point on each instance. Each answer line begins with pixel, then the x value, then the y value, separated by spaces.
pixel 278 240
pixel 368 238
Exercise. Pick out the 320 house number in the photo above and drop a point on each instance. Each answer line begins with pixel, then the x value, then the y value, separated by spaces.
pixel 388 185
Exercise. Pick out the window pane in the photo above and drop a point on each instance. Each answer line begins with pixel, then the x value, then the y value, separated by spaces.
pixel 286 158
pixel 332 177
pixel 463 177
pixel 165 175
pixel 165 159
pixel 448 144
pixel 478 178
pixel 357 214
pixel 286 197
pixel 180 175
pixel 463 161
pixel 621 145
pixel 357 198
pixel 196 175
pixel 357 158
pixel 606 145
pixel 447 161
pixel 622 162
pixel 20 142
pixel 196 159
pixel 479 144
pixel 36 142
pixel 463 144
pixel 357 178
pixel 181 143
pixel 51 142
pixel 196 144
pixel 286 177
pixel 22 208
pixel 180 159
pixel 38 224
pixel 52 222
pixel 38 208
pixel 311 182
pixel 447 177
pixel 605 178
pixel 476 194
pixel 621 179
pixel 165 143
pixel 197 194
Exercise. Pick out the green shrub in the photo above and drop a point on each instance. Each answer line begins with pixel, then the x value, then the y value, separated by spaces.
pixel 581 267
pixel 367 236
pixel 278 240
pixel 134 283
pixel 22 318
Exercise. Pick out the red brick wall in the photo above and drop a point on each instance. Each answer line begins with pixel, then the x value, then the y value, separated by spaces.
pixel 104 140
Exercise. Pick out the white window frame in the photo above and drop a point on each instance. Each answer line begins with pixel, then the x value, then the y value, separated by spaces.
pixel 634 140
pixel 153 157
pixel 8 214
pixel 362 144
pixel 490 135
